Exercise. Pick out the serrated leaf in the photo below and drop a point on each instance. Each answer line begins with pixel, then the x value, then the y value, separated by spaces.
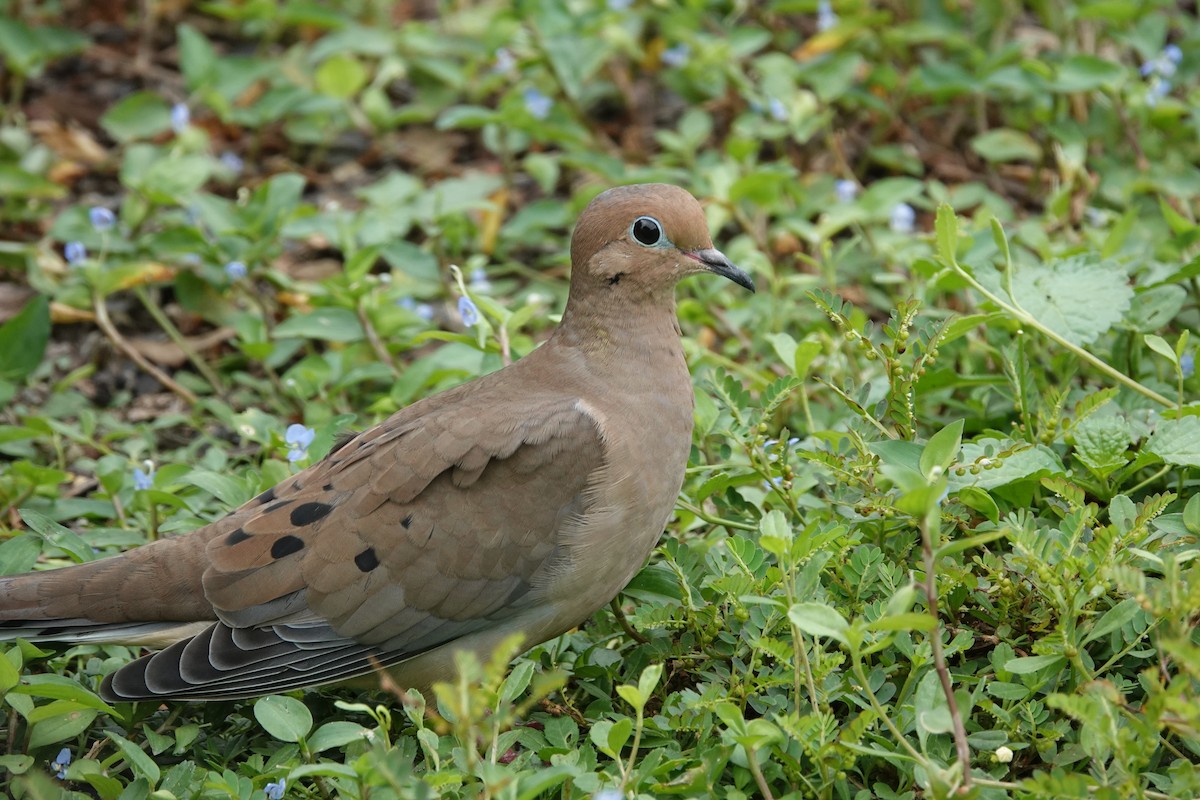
pixel 1016 466
pixel 1177 441
pixel 1102 441
pixel 1051 293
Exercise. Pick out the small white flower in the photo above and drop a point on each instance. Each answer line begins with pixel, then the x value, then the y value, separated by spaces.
pixel 903 217
pixel 181 117
pixel 846 190
pixel 1004 754
pixel 826 17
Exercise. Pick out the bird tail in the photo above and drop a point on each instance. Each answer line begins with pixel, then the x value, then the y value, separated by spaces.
pixel 149 596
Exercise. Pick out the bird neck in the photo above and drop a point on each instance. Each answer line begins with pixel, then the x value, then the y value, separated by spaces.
pixel 635 332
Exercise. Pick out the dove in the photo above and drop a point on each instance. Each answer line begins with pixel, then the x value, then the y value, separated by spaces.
pixel 516 503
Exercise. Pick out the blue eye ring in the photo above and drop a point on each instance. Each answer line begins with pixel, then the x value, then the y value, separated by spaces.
pixel 648 232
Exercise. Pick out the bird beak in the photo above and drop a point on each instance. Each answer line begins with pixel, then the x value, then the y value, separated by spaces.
pixel 714 260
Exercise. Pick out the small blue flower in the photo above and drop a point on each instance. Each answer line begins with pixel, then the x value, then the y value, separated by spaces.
pixel 1165 63
pixel 826 17
pixel 846 190
pixel 60 763
pixel 101 218
pixel 537 104
pixel 181 117
pixel 422 310
pixel 235 270
pixel 619 5
pixel 503 61
pixel 298 438
pixel 1159 88
pixel 609 794
pixel 676 56
pixel 274 789
pixel 777 109
pixel 479 281
pixel 232 162
pixel 1187 365
pixel 468 311
pixel 75 252
pixel 903 217
pixel 143 480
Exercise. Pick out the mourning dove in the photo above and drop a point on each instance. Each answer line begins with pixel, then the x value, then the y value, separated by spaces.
pixel 519 502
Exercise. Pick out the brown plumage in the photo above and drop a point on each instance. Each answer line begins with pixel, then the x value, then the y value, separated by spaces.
pixel 519 502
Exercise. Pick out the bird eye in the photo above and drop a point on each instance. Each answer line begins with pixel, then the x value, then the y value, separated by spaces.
pixel 647 231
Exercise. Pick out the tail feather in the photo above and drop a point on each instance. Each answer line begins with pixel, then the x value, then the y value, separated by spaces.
pixel 138 597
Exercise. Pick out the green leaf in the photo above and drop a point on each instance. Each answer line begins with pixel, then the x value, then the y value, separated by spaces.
pixel 1177 441
pixel 143 765
pixel 1083 73
pixel 341 76
pixel 285 718
pixel 60 687
pixel 1025 665
pixel 1102 442
pixel 336 734
pixel 61 727
pixel 1191 515
pixel 946 228
pixel 968 542
pixel 1005 144
pixel 818 619
pixel 1050 292
pixel 941 450
pixel 141 115
pixel 977 499
pixel 774 533
pixel 57 536
pixel 1160 346
pixel 16 182
pixel 1116 617
pixel 328 324
pixel 23 339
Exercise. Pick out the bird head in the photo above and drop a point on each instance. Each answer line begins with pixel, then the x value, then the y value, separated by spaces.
pixel 642 239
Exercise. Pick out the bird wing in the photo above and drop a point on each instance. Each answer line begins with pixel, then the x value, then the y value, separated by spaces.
pixel 432 526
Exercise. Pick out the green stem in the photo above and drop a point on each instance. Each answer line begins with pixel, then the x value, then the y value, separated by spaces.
pixel 175 336
pixel 1025 318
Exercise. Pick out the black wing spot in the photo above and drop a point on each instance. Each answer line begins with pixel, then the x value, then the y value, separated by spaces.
pixel 265 497
pixel 407 521
pixel 286 545
pixel 615 279
pixel 237 537
pixel 367 560
pixel 276 506
pixel 308 513
pixel 327 487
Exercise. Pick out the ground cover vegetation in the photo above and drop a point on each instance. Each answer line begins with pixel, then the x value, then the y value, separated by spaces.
pixel 942 504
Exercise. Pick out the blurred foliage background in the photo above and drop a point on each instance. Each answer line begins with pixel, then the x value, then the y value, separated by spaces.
pixel 939 533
